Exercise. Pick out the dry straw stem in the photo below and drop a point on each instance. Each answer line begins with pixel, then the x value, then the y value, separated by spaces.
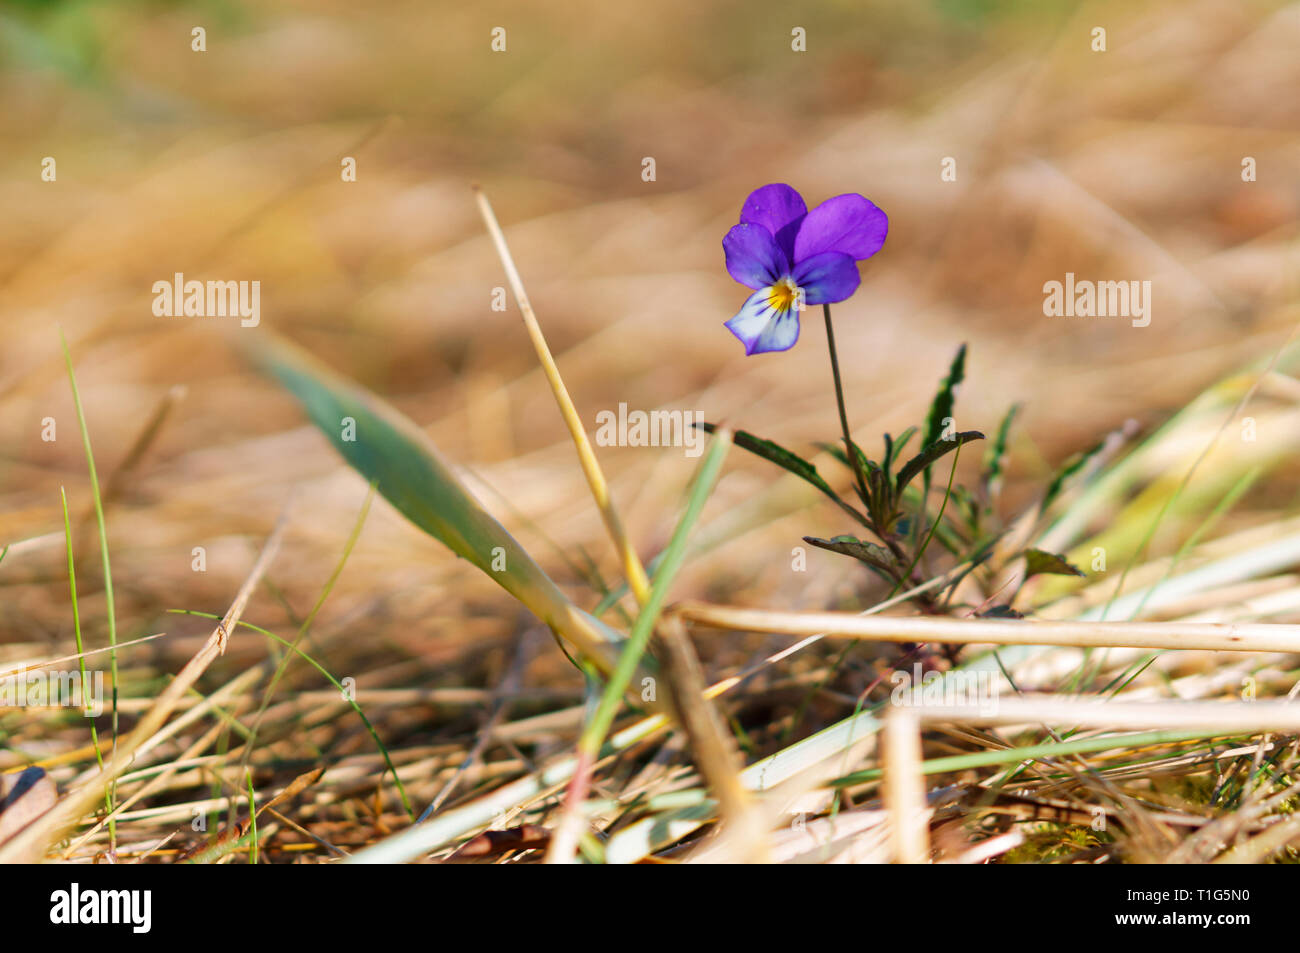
pixel 34 665
pixel 117 479
pixel 1214 718
pixel 1211 636
pixel 410 473
pixel 160 780
pixel 634 841
pixel 799 790
pixel 30 845
pixel 632 568
pixel 712 746
pixel 698 730
pixel 903 792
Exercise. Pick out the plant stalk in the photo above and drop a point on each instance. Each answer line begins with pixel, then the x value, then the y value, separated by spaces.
pixel 850 449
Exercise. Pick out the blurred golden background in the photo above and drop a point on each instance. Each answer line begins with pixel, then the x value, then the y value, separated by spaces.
pixel 225 164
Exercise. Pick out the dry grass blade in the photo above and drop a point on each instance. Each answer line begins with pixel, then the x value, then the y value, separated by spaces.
pixel 88 653
pixel 408 471
pixel 31 844
pixel 1212 636
pixel 712 745
pixel 460 821
pixel 116 481
pixel 1154 447
pixel 904 789
pixel 231 837
pixel 217 698
pixel 1214 718
pixel 592 739
pixel 632 568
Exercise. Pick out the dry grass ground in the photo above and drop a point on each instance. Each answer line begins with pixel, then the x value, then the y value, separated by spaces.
pixel 225 164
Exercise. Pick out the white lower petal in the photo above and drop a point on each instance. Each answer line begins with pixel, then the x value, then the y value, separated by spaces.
pixel 761 327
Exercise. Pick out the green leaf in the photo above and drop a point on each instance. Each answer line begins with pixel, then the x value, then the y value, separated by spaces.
pixel 870 553
pixel 1000 612
pixel 775 453
pixel 932 453
pixel 837 451
pixel 789 461
pixel 398 457
pixel 1038 561
pixel 1069 470
pixel 593 735
pixel 944 401
pixel 966 512
pixel 871 468
pixel 995 458
pixel 895 447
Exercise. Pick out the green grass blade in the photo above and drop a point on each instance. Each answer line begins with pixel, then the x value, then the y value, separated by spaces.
pixel 390 451
pixel 1089 745
pixel 76 623
pixel 594 734
pixel 347 696
pixel 109 609
pixel 306 623
pixel 252 819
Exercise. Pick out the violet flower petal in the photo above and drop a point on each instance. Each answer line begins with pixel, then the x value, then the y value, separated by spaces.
pixel 827 278
pixel 753 256
pixel 846 223
pixel 761 327
pixel 779 209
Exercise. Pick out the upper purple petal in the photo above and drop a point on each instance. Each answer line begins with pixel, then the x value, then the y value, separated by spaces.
pixel 847 223
pixel 827 278
pixel 753 256
pixel 779 209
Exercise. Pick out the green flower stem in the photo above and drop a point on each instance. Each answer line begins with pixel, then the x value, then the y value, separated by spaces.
pixel 849 449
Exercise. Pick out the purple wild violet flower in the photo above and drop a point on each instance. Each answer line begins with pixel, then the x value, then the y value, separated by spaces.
pixel 792 257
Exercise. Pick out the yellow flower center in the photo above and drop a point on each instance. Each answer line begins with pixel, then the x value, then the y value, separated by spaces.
pixel 785 295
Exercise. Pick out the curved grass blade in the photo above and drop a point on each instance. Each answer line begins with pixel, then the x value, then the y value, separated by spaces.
pixel 598 725
pixel 390 451
pixel 291 648
pixel 632 568
pixel 110 611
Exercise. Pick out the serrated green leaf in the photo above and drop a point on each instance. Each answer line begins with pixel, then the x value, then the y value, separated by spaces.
pixel 837 451
pixel 775 453
pixel 1000 612
pixel 789 461
pixel 941 407
pixel 932 453
pixel 895 447
pixel 1068 470
pixel 995 458
pixel 1039 561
